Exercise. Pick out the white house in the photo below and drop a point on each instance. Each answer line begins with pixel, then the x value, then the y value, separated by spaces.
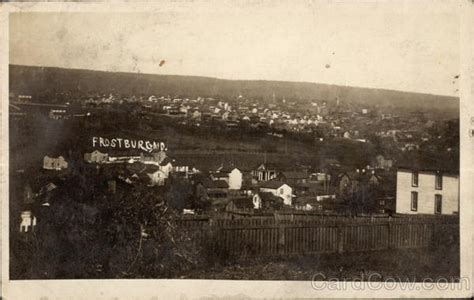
pixel 28 221
pixel 53 163
pixel 279 189
pixel 166 166
pixel 230 174
pixel 157 177
pixel 235 179
pixel 427 191
pixel 96 157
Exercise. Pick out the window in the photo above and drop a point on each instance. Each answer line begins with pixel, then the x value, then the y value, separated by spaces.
pixel 414 201
pixel 438 204
pixel 414 179
pixel 382 202
pixel 281 191
pixel 439 181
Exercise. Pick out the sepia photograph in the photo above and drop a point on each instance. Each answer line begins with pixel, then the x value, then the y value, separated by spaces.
pixel 254 141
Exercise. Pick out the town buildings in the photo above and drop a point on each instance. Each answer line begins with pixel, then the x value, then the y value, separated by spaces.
pixel 54 163
pixel 28 221
pixel 96 157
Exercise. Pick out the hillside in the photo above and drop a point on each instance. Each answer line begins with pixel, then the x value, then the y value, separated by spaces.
pixel 37 80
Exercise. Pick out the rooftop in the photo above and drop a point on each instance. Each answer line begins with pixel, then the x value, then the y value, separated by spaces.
pixel 295 175
pixel 272 184
pixel 429 164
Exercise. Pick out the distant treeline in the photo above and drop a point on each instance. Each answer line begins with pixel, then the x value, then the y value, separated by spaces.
pixel 45 81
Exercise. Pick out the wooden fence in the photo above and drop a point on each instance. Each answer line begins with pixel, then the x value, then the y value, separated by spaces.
pixel 271 236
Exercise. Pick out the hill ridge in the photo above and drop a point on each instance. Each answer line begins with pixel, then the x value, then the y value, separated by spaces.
pixel 36 79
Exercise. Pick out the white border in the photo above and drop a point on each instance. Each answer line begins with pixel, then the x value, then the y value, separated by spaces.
pixel 190 289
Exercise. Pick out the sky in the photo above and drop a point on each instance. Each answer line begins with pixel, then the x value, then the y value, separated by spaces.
pixel 401 46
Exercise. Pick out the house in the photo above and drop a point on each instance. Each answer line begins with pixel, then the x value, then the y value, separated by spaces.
pixel 181 170
pixel 147 173
pixel 299 180
pixel 347 182
pixel 232 175
pixel 166 166
pixel 320 177
pixel 265 172
pixel 58 114
pixel 381 163
pixel 157 177
pixel 52 163
pixel 28 221
pixel 196 114
pixel 240 205
pixel 293 177
pixel 153 158
pixel 96 157
pixel 235 179
pixel 266 201
pixel 427 190
pixel 279 189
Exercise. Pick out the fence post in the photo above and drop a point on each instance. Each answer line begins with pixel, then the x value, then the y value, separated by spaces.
pixel 281 238
pixel 390 233
pixel 340 239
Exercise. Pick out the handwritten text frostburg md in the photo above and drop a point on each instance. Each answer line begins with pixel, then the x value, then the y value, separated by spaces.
pixel 121 143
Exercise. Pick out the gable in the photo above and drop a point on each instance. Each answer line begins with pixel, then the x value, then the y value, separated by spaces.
pixel 235 171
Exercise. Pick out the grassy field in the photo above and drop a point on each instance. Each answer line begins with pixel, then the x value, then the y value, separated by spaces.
pixel 406 265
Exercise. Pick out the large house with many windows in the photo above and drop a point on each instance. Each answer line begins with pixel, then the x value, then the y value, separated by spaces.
pixel 427 190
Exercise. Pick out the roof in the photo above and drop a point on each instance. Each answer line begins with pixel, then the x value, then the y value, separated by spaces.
pixel 429 169
pixel 220 184
pixel 142 168
pixel 267 196
pixel 242 202
pixel 429 164
pixel 272 184
pixel 229 168
pixel 166 161
pixel 48 188
pixel 295 175
pixel 220 175
pixel 266 166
